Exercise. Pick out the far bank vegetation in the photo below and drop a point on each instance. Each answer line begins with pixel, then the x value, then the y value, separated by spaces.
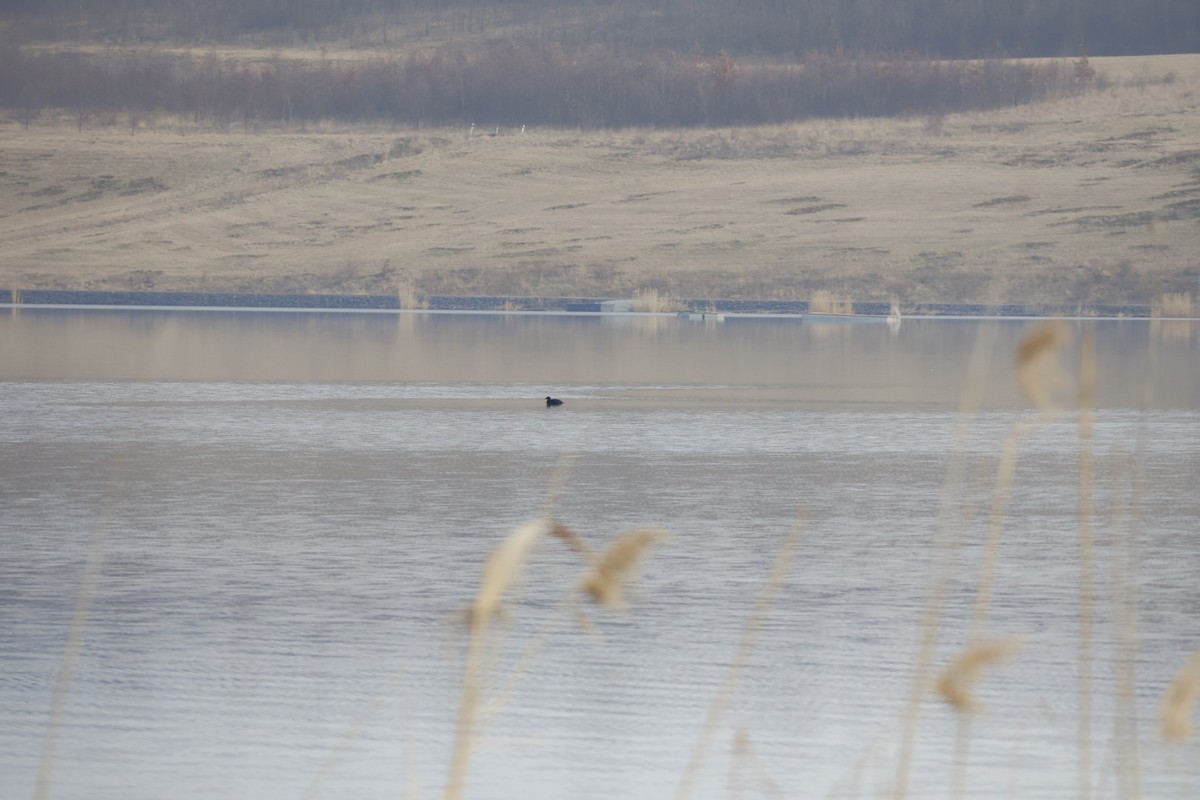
pixel 571 64
pixel 824 301
pixel 1174 304
pixel 513 84
pixel 653 301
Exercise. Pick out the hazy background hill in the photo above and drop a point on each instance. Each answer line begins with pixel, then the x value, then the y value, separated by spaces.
pixel 782 29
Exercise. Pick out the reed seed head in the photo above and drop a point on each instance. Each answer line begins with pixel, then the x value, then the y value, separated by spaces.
pixel 502 569
pixel 957 681
pixel 618 564
pixel 1175 713
pixel 1045 338
pixel 573 540
pixel 1038 372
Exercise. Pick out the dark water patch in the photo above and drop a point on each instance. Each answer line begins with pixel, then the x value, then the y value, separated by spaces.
pixel 1004 201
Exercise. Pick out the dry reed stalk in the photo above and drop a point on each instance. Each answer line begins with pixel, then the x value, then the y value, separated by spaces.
pixel 499 574
pixel 1175 712
pixel 352 733
pixel 741 746
pixel 618 564
pixel 947 542
pixel 1001 495
pixel 93 562
pixel 1124 602
pixel 1173 304
pixel 720 704
pixel 960 676
pixel 558 481
pixel 848 785
pixel 745 759
pixel 408 297
pixel 505 691
pixel 609 570
pixel 1038 374
pixel 1126 599
pixel 654 301
pixel 824 301
pixel 1087 558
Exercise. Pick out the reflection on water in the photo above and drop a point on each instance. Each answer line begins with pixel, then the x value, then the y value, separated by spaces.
pixel 297 507
pixel 768 360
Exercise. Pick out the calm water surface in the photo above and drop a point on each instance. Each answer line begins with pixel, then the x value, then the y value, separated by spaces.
pixel 287 515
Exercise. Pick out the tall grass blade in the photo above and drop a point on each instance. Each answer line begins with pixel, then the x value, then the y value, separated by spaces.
pixel 1001 497
pixel 746 760
pixel 947 542
pixel 357 726
pixel 94 561
pixel 499 574
pixel 1087 400
pixel 741 657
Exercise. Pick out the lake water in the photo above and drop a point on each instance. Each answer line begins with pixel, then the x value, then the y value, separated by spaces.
pixel 277 520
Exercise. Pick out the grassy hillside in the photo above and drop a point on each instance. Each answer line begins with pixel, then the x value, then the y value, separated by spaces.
pixel 1092 198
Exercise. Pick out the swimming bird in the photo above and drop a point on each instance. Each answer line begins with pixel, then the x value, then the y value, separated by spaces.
pixel 553 401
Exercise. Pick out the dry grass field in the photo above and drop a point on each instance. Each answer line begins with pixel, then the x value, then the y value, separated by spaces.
pixel 1090 199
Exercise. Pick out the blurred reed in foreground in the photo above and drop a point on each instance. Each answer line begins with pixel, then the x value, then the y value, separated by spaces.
pixel 1175 713
pixel 959 677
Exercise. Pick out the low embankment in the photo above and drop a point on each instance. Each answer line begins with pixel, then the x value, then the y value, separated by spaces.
pixel 369 302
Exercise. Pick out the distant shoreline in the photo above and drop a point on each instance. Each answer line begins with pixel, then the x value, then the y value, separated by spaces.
pixel 1075 202
pixel 380 302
